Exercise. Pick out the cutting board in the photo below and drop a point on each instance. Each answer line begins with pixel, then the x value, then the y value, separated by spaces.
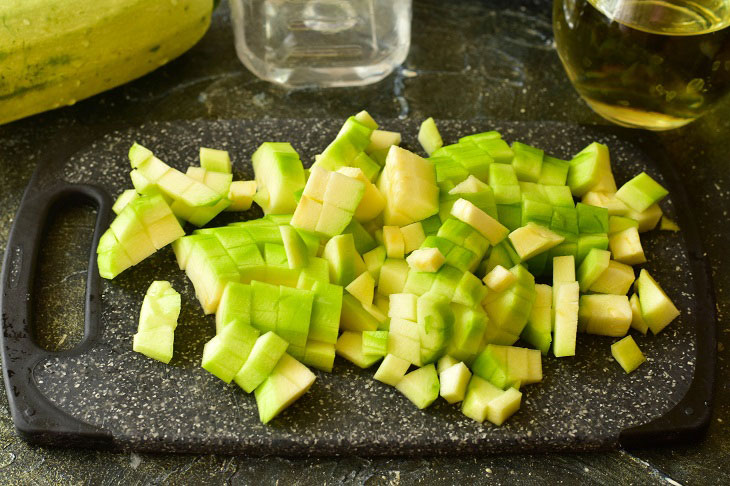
pixel 102 394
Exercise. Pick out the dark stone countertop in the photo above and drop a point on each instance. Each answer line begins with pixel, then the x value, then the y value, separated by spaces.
pixel 469 60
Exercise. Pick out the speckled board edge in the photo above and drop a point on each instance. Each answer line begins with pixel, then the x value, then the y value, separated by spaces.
pixel 583 404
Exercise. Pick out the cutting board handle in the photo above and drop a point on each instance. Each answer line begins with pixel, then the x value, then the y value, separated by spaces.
pixel 36 418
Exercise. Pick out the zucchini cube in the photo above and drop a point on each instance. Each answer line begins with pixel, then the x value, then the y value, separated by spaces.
pixel 536 212
pixel 446 281
pixel 641 192
pixel 156 343
pixel 592 219
pixel 345 263
pixel 392 370
pixel 455 231
pixel 637 319
pixel 153 169
pixel 374 260
pixel 317 183
pixel 454 381
pixel 554 171
pixel 594 264
pixel 264 305
pixel 507 194
pixel 533 239
pixel 431 225
pixel 375 342
pixel 497 149
pixel 332 220
pixel 403 306
pixel 499 255
pixel 425 260
pixel 461 258
pixel 364 242
pixel 656 307
pixel 479 394
pixel 510 215
pixel 413 236
pixel 448 170
pixel 382 140
pixel 293 314
pixel 362 288
pixel 420 386
pixel 419 282
pixel 354 317
pixel 590 170
pixel 393 276
pixel 487 226
pixel 434 313
pixel 274 254
pixel 326 310
pixel 344 192
pixel 307 214
pixel 469 327
pixel 564 220
pixel 429 136
pixel 616 279
pixel 404 346
pixel 349 346
pixel 296 252
pixel 604 314
pixel 215 160
pixel 445 362
pixel 113 261
pixel 502 175
pixel 617 224
pixel 288 381
pixel 627 354
pixel 442 244
pixel 265 353
pixel 319 355
pixel 394 242
pixel 484 401
pixel 626 247
pixel 127 225
pixel 226 353
pixel 279 174
pixel 499 279
pixel 408 183
pixel 565 318
pixel 586 243
pixel 559 196
pixel 480 137
pixel 538 330
pixel 138 154
pixel 527 162
pixel 469 291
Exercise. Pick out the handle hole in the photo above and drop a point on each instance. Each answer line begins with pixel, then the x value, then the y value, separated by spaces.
pixel 60 280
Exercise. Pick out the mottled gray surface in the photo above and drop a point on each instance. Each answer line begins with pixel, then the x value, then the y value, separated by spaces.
pixel 470 59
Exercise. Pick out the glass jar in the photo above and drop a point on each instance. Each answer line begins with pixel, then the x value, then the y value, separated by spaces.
pixel 645 63
pixel 322 42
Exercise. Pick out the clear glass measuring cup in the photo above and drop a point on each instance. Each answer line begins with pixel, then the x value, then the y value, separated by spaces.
pixel 321 42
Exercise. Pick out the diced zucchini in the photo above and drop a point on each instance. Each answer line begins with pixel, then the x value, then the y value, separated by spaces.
pixel 420 386
pixel 627 353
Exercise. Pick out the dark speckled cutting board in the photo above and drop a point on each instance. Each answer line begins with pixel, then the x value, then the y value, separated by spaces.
pixel 102 394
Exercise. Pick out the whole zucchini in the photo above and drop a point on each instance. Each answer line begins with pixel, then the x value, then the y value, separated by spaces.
pixel 56 52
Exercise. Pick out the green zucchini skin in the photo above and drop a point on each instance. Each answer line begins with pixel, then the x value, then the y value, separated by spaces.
pixel 54 53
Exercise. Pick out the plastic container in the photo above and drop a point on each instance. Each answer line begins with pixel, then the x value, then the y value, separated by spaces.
pixel 322 42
